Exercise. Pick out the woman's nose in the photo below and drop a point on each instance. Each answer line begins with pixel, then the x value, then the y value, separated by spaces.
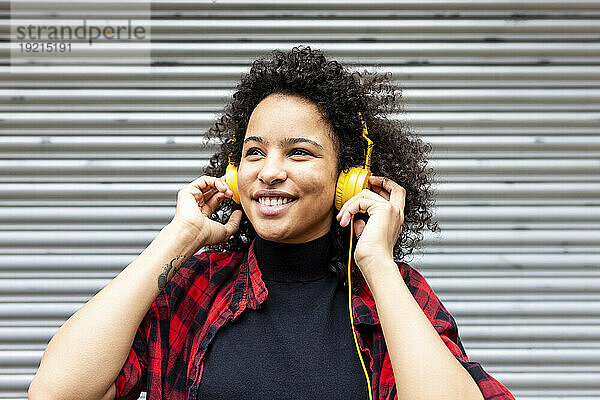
pixel 271 171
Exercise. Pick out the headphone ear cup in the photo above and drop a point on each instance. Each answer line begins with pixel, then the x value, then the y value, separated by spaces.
pixel 349 184
pixel 339 190
pixel 231 179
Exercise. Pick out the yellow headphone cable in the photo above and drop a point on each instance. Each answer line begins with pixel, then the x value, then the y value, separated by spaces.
pixel 350 309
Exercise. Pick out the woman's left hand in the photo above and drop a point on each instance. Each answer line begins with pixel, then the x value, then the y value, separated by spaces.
pixel 384 203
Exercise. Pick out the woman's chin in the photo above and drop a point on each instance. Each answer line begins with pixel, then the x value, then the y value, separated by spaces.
pixel 270 234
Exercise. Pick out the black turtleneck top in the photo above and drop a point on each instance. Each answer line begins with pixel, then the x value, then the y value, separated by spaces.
pixel 298 344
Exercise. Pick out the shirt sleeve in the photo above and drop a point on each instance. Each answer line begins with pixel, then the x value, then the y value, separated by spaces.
pixel 446 326
pixel 132 378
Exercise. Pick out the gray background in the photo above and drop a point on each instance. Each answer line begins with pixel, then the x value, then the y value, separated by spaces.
pixel 507 93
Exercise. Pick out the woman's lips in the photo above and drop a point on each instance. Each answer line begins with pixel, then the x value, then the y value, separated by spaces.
pixel 273 210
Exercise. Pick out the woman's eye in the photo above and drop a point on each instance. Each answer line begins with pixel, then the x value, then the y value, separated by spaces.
pixel 254 150
pixel 251 151
pixel 302 152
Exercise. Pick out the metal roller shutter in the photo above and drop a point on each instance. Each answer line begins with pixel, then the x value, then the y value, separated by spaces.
pixel 507 92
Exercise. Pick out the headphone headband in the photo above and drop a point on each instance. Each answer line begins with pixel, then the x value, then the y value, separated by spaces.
pixel 365 133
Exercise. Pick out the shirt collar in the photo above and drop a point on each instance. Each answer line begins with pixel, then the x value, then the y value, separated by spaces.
pixel 294 262
pixel 251 291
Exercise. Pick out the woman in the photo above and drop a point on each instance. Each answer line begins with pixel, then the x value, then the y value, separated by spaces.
pixel 262 312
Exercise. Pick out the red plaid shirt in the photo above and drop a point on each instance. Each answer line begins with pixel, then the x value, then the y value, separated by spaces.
pixel 212 288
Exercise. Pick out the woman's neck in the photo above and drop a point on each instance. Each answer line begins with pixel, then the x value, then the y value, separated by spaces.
pixel 294 262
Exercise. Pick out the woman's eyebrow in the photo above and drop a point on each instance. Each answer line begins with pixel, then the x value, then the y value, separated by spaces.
pixel 285 142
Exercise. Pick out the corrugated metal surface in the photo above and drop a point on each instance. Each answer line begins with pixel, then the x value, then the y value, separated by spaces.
pixel 507 92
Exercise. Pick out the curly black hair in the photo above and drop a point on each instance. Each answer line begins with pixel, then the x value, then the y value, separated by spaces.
pixel 339 94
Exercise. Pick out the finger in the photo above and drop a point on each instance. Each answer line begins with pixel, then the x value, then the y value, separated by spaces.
pixel 233 224
pixel 207 195
pixel 354 206
pixel 228 192
pixel 220 184
pixel 203 183
pixel 363 193
pixel 376 180
pixel 211 205
pixel 397 192
pixel 359 227
pixel 206 183
pixel 222 187
pixel 381 192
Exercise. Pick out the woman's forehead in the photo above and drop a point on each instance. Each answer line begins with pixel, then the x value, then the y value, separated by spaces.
pixel 288 120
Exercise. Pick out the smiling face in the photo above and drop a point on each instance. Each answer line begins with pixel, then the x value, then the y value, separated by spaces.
pixel 288 148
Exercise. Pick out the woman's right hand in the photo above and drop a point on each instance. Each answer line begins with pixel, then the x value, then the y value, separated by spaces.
pixel 197 201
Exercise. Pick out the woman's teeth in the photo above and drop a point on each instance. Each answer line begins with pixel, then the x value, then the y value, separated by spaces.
pixel 273 201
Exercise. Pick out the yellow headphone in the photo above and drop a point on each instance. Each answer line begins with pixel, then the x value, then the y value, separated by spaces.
pixel 349 183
